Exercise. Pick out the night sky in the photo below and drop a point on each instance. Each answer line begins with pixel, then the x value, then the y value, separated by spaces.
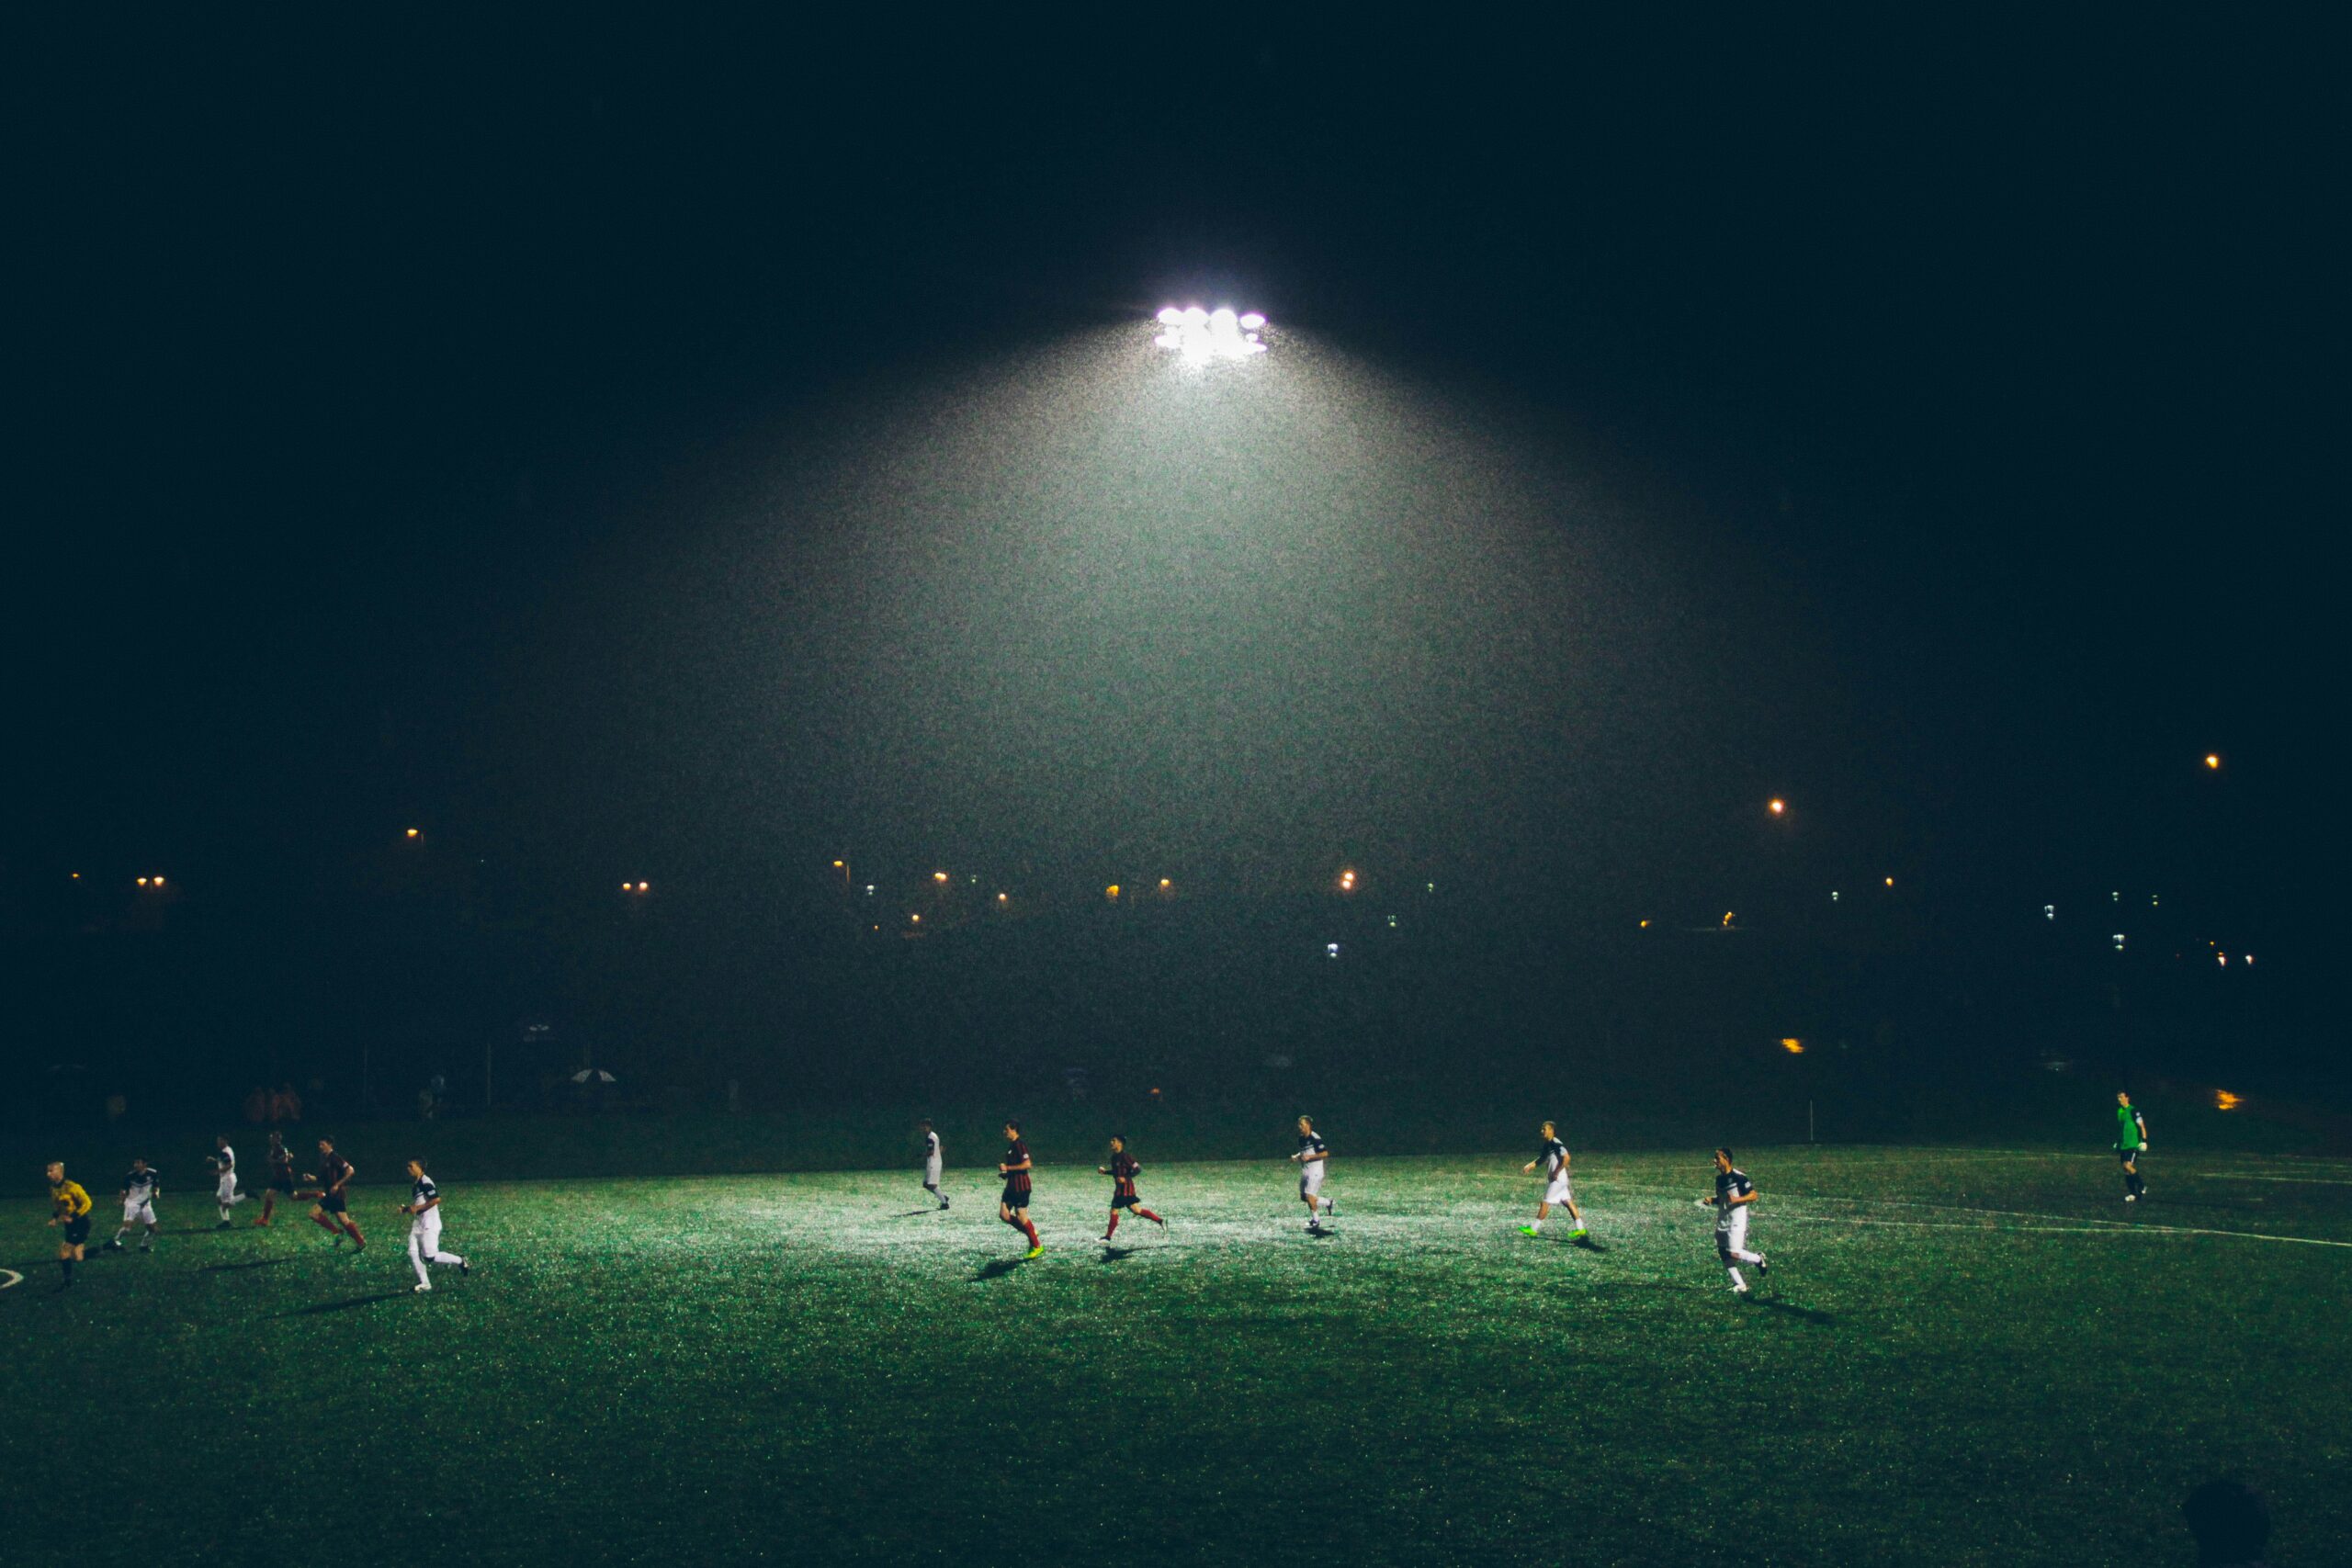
pixel 708 449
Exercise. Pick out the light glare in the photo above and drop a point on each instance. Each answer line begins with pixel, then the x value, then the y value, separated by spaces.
pixel 1198 335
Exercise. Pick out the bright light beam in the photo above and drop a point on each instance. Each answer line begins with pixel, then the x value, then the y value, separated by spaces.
pixel 1198 336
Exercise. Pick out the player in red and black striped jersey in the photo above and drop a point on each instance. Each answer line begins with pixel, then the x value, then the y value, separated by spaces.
pixel 1012 1207
pixel 331 1212
pixel 281 1176
pixel 1123 1171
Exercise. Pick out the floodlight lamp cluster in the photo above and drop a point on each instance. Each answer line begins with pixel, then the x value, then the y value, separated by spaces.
pixel 1198 336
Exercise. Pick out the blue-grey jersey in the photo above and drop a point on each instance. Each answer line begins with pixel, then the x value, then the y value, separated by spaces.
pixel 1555 1156
pixel 1311 1149
pixel 421 1192
pixel 140 1185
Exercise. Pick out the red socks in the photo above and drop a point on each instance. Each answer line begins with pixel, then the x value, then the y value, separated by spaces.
pixel 1030 1228
pixel 1147 1214
pixel 1113 1229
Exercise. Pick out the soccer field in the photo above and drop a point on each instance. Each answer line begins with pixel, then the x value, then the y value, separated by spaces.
pixel 1960 1357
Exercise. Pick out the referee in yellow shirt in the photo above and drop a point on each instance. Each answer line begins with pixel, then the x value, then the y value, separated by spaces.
pixel 73 1211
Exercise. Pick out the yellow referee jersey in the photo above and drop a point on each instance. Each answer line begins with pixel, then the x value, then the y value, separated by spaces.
pixel 70 1200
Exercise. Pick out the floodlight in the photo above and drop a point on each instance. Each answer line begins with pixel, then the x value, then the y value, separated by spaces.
pixel 1200 335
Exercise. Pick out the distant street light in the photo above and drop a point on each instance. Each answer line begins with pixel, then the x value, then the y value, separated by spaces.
pixel 1347 882
pixel 414 833
pixel 2213 759
pixel 1777 806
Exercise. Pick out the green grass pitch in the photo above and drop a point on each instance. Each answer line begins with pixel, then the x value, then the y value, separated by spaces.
pixel 1960 1356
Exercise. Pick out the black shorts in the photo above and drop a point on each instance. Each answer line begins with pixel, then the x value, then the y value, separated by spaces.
pixel 78 1230
pixel 282 1184
pixel 1015 1197
pixel 2127 1156
pixel 332 1203
pixel 1124 1201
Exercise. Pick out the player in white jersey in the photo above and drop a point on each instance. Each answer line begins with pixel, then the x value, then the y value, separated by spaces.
pixel 139 1190
pixel 931 1164
pixel 423 1209
pixel 1553 1157
pixel 224 1165
pixel 1312 1153
pixel 1734 1195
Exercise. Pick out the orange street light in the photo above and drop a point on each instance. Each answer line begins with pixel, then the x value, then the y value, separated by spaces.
pixel 159 882
pixel 1794 1047
pixel 2213 759
pixel 1889 882
pixel 940 878
pixel 1164 884
pixel 142 881
pixel 1112 891
pixel 414 833
pixel 1777 806
pixel 1347 882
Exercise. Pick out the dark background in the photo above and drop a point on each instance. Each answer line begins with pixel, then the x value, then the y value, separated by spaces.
pixel 410 405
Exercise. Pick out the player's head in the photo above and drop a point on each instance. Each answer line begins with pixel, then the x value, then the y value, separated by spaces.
pixel 1723 1159
pixel 277 1139
pixel 1118 1142
pixel 2230 1521
pixel 923 1122
pixel 1550 1131
pixel 220 1140
pixel 1012 1129
pixel 415 1168
pixel 55 1171
pixel 2122 1097
pixel 326 1145
pixel 138 1164
pixel 1305 1125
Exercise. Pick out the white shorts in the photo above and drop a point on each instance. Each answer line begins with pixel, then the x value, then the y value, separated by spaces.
pixel 425 1230
pixel 1731 1230
pixel 1558 1191
pixel 931 1173
pixel 1310 1178
pixel 141 1213
pixel 228 1188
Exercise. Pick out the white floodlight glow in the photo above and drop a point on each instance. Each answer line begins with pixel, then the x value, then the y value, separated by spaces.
pixel 1199 336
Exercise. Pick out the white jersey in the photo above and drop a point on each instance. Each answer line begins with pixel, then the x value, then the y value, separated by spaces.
pixel 1311 1149
pixel 931 1153
pixel 225 1162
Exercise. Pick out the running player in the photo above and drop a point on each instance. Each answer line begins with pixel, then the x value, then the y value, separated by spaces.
pixel 1012 1208
pixel 70 1207
pixel 1553 1157
pixel 281 1176
pixel 1734 1194
pixel 139 1190
pixel 931 1164
pixel 1312 1153
pixel 423 1209
pixel 224 1165
pixel 1123 1171
pixel 332 1209
pixel 2131 1141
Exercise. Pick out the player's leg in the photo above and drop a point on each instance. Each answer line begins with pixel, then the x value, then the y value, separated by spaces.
pixel 1112 1228
pixel 1143 1212
pixel 327 1221
pixel 416 1255
pixel 351 1229
pixel 268 1206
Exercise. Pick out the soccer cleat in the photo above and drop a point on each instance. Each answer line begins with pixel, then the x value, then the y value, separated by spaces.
pixel 1579 1233
pixel 421 1287
pixel 1331 1207
pixel 1739 1289
pixel 461 1266
pixel 1529 1230
pixel 1161 1223
pixel 114 1245
pixel 2131 1196
pixel 1106 1236
pixel 1036 1251
pixel 1763 1270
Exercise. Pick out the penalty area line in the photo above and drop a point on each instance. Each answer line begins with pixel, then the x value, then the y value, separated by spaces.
pixel 12 1278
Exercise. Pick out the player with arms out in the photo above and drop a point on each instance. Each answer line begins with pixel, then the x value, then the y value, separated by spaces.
pixel 1123 1171
pixel 423 1209
pixel 932 1162
pixel 1734 1195
pixel 1312 1153
pixel 281 1176
pixel 1553 1157
pixel 139 1190
pixel 1012 1206
pixel 69 1207
pixel 2131 1141
pixel 331 1209
pixel 224 1166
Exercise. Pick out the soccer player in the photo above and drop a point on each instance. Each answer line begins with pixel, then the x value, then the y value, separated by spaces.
pixel 281 1176
pixel 224 1163
pixel 1312 1153
pixel 139 1190
pixel 423 1209
pixel 1553 1157
pixel 1733 1196
pixel 1123 1171
pixel 1012 1208
pixel 70 1207
pixel 332 1209
pixel 2131 1141
pixel 931 1164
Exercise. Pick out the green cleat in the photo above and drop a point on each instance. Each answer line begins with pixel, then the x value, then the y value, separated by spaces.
pixel 1034 1252
pixel 1579 1235
pixel 1529 1230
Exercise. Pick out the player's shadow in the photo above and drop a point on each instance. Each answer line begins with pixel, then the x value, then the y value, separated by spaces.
pixel 996 1269
pixel 916 1213
pixel 1810 1315
pixel 1586 1244
pixel 251 1263
pixel 318 1307
pixel 1114 1254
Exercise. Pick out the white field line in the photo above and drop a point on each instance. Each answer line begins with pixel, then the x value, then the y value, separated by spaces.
pixel 13 1278
pixel 2251 1176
